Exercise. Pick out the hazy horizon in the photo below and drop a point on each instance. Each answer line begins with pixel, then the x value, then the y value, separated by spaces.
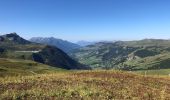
pixel 74 41
pixel 88 20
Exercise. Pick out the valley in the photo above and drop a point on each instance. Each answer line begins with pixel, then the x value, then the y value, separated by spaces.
pixel 148 54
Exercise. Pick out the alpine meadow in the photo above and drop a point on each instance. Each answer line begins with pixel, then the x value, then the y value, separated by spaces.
pixel 84 50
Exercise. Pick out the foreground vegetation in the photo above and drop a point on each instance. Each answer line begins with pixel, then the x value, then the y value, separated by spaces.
pixel 86 85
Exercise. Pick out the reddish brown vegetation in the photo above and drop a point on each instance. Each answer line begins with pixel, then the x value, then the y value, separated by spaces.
pixel 87 85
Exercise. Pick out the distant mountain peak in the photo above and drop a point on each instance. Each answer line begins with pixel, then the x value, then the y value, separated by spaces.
pixel 85 43
pixel 11 35
pixel 14 38
pixel 14 33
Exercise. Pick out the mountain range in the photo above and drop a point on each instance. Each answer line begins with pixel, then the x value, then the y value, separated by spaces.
pixel 59 43
pixel 125 55
pixel 12 46
pixel 85 43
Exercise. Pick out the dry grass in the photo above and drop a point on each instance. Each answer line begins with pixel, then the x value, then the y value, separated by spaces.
pixel 85 85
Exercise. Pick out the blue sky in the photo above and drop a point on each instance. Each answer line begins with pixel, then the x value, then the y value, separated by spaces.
pixel 89 20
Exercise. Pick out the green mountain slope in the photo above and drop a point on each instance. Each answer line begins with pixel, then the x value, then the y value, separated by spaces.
pixel 161 61
pixel 129 55
pixel 13 67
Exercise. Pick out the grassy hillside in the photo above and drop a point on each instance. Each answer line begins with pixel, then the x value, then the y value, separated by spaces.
pixel 161 61
pixel 11 67
pixel 88 85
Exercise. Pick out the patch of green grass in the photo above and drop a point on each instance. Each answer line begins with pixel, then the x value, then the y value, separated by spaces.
pixel 154 72
pixel 13 67
pixel 19 55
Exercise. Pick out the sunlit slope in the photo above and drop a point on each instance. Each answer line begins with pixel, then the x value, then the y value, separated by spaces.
pixel 161 61
pixel 11 67
pixel 127 55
